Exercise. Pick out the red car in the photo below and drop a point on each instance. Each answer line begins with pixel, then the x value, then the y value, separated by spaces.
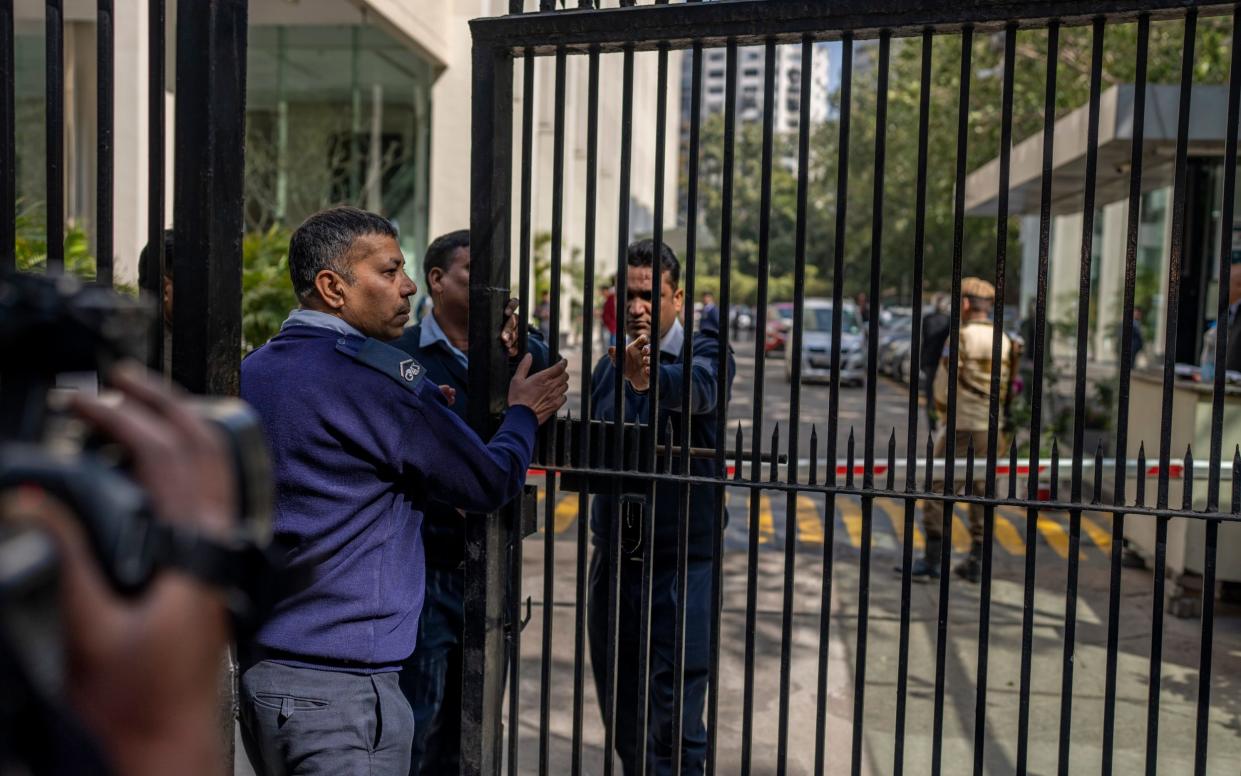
pixel 779 324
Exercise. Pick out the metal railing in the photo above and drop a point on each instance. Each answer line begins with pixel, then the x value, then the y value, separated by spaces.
pixel 509 44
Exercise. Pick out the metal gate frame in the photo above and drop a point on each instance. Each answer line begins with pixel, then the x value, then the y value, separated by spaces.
pixel 587 31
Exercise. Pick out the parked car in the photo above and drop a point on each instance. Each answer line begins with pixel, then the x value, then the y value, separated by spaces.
pixel 779 325
pixel 892 350
pixel 816 350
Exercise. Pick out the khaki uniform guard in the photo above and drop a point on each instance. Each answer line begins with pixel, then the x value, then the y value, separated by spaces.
pixel 974 365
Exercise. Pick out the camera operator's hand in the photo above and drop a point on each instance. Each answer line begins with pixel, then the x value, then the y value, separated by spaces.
pixel 143 672
pixel 543 392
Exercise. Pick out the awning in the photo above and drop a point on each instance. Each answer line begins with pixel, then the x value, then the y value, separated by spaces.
pixel 1207 122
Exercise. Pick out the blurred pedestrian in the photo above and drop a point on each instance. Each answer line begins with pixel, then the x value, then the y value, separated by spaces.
pixel 935 327
pixel 972 419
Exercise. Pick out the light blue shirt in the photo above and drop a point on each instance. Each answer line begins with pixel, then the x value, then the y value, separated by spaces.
pixel 303 317
pixel 432 333
pixel 674 340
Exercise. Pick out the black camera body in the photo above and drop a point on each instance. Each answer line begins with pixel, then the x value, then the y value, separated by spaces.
pixel 51 325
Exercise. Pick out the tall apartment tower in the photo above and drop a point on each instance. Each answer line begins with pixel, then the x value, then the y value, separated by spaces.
pixel 751 66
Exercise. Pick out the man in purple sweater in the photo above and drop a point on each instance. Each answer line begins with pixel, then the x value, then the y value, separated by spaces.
pixel 361 443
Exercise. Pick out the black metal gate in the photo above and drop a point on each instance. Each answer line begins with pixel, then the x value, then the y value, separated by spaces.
pixel 637 459
pixel 207 196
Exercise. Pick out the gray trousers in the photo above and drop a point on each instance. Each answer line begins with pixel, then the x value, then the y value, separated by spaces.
pixel 307 721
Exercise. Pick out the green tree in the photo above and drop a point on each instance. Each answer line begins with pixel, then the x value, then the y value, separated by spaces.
pixel 901 155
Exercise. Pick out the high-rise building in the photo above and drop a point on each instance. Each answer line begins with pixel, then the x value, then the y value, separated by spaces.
pixel 751 71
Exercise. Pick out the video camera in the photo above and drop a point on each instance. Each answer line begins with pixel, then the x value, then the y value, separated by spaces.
pixel 52 326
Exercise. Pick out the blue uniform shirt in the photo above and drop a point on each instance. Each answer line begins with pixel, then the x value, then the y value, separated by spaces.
pixel 705 407
pixel 443 529
pixel 361 443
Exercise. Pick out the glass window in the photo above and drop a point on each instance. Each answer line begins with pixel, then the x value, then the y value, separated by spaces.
pixel 820 319
pixel 336 114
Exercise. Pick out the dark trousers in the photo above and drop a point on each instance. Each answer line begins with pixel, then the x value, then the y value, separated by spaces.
pixel 309 722
pixel 431 678
pixel 660 747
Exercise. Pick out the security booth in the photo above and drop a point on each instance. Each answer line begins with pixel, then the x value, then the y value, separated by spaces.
pixel 1155 138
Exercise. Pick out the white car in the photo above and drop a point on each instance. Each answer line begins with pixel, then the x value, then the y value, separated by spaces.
pixel 816 350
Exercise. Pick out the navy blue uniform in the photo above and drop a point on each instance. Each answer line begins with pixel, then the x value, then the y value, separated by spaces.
pixel 705 407
pixel 431 678
pixel 361 443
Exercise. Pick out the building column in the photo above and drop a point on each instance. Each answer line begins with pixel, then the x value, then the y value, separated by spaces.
pixel 1105 345
pixel 1064 269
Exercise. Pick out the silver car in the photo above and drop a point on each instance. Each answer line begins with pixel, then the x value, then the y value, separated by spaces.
pixel 816 350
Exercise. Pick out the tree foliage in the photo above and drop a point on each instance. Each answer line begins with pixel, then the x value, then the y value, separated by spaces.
pixel 901 156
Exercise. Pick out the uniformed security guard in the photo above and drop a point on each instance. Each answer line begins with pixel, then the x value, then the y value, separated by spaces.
pixel 361 444
pixel 972 414
pixel 431 678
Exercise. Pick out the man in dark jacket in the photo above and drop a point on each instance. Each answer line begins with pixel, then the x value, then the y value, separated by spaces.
pixel 1232 360
pixel 934 335
pixel 431 678
pixel 362 444
pixel 705 406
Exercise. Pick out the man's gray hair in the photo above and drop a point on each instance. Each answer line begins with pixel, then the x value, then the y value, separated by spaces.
pixel 323 242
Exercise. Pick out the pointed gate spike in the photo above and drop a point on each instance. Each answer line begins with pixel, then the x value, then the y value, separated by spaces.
pixel 814 454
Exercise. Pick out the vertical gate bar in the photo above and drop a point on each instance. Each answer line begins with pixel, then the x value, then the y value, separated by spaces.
pixel 513 630
pixel 618 405
pixel 872 378
pixel 583 500
pixel 155 172
pixel 1122 408
pixel 950 426
pixel 208 194
pixel 833 396
pixel 487 536
pixel 911 439
pixel 1225 254
pixel 523 319
pixel 8 139
pixel 524 246
pixel 799 306
pixel 756 426
pixel 514 553
pixel 54 34
pixel 993 409
pixel 653 425
pixel 1036 396
pixel 1217 407
pixel 1079 394
pixel 553 346
pixel 683 500
pixel 524 240
pixel 1176 256
pixel 721 387
pixel 104 110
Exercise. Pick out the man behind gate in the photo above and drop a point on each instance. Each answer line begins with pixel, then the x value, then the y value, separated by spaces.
pixel 973 406
pixel 705 404
pixel 431 678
